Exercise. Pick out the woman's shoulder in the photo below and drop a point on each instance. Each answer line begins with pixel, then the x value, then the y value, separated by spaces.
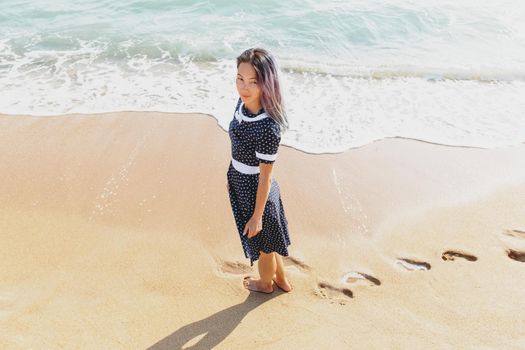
pixel 270 126
pixel 272 123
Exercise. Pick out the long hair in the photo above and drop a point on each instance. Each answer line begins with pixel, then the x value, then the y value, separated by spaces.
pixel 267 71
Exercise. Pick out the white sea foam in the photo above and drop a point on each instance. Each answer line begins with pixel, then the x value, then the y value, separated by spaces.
pixel 450 72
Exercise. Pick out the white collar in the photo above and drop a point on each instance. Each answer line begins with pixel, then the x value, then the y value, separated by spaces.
pixel 240 115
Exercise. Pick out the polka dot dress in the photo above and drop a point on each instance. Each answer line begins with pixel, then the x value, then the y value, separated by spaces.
pixel 255 139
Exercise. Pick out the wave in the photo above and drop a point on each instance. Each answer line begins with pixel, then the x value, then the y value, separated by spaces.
pixel 66 53
pixel 451 73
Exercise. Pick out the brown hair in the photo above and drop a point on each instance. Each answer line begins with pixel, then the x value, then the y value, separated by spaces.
pixel 267 72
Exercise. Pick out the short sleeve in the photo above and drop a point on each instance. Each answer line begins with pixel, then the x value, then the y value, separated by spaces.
pixel 267 143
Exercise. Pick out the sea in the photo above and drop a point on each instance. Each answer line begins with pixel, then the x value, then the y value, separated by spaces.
pixel 450 72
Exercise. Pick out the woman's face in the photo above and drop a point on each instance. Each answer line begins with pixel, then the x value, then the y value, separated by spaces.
pixel 247 84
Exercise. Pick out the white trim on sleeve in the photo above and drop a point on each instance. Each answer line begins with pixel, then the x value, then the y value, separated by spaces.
pixel 266 156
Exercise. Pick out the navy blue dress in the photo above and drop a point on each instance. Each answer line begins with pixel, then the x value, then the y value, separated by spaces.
pixel 255 139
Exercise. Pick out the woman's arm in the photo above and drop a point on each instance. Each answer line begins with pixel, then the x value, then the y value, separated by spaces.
pixel 254 225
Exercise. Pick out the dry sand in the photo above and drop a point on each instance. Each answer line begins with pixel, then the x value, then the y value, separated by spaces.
pixel 116 233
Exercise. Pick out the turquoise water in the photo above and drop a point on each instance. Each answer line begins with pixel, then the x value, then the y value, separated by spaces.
pixel 450 72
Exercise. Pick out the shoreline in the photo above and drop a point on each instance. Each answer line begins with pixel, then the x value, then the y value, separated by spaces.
pixel 117 232
pixel 87 115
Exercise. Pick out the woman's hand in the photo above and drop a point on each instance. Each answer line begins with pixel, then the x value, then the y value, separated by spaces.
pixel 253 226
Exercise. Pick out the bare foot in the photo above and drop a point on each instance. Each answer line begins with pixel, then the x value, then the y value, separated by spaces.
pixel 283 284
pixel 256 285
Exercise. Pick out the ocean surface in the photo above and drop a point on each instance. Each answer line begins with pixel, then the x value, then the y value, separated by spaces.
pixel 449 72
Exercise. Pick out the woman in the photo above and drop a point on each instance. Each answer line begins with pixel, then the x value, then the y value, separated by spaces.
pixel 255 133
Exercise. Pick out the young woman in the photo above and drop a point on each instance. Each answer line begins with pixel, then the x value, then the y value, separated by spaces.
pixel 255 133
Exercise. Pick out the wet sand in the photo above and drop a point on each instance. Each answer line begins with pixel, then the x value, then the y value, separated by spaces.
pixel 116 232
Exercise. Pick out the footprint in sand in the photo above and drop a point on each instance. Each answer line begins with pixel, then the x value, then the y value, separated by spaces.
pixel 296 264
pixel 452 254
pixel 516 255
pixel 515 233
pixel 239 268
pixel 410 264
pixel 326 290
pixel 234 267
pixel 356 278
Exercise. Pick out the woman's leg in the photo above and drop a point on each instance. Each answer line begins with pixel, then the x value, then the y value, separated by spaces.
pixel 267 267
pixel 280 274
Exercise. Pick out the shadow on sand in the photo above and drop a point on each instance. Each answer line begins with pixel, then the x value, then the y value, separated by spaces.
pixel 216 327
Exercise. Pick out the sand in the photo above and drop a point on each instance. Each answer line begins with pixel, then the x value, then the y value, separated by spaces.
pixel 117 233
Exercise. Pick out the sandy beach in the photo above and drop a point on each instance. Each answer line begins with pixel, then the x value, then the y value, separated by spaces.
pixel 117 233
